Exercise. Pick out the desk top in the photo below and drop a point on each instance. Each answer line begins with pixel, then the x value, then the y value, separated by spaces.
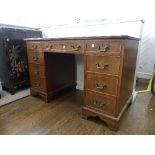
pixel 84 38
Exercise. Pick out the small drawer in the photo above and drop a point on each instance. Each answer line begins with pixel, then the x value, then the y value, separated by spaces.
pixel 100 103
pixel 103 64
pixel 103 46
pixel 101 84
pixel 35 57
pixel 37 71
pixel 34 45
pixel 68 46
pixel 38 83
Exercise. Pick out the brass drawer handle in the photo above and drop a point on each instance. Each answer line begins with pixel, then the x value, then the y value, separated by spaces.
pixel 34 58
pixel 48 47
pixel 34 46
pixel 101 66
pixel 77 47
pixel 37 85
pixel 36 72
pixel 99 104
pixel 104 48
pixel 100 86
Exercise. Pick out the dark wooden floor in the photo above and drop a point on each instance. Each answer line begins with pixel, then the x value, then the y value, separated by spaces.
pixel 63 116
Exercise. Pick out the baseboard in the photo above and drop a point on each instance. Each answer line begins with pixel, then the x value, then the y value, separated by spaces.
pixel 80 85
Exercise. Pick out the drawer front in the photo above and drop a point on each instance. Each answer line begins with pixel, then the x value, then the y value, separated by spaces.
pixel 38 83
pixel 100 103
pixel 103 64
pixel 103 46
pixel 101 84
pixel 68 46
pixel 35 57
pixel 37 71
pixel 34 45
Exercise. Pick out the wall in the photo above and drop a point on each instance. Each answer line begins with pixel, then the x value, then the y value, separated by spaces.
pixel 105 28
pixel 147 51
pixel 80 71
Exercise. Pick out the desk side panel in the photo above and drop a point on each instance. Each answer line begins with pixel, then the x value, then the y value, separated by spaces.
pixel 128 72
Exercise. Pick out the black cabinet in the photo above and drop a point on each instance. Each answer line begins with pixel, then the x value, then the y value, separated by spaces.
pixel 14 72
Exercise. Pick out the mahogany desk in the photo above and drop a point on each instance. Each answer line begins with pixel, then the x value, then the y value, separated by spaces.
pixel 109 68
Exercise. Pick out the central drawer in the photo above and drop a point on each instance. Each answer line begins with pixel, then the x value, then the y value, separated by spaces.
pixel 68 46
pixel 101 84
pixel 103 64
pixel 100 103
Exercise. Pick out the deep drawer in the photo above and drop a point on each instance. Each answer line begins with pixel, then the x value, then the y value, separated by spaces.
pixel 35 57
pixel 37 71
pixel 38 83
pixel 103 64
pixel 100 103
pixel 101 84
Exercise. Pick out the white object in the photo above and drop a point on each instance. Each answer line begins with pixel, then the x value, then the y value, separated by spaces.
pixel 0 87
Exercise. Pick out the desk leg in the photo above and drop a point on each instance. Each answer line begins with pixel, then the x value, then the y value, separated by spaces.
pixel 111 122
pixel 45 97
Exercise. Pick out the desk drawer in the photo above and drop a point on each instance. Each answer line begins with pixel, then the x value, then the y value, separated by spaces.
pixel 38 83
pixel 34 45
pixel 35 57
pixel 68 46
pixel 103 64
pixel 100 103
pixel 103 46
pixel 37 71
pixel 101 84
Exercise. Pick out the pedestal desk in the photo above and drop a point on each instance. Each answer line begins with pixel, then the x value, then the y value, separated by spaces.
pixel 109 68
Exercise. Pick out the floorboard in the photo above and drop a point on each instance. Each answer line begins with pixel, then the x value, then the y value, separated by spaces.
pixel 62 116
